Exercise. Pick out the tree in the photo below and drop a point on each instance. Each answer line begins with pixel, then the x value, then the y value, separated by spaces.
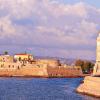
pixel 6 53
pixel 86 66
pixel 79 63
pixel 19 59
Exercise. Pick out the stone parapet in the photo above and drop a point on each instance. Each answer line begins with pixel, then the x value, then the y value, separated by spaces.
pixel 49 62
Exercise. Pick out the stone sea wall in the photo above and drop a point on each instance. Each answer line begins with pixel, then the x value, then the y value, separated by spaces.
pixel 41 70
pixel 91 86
pixel 64 72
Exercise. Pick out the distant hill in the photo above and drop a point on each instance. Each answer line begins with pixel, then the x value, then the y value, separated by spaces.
pixel 68 61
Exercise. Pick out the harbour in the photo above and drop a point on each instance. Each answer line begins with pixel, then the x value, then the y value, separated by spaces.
pixel 41 89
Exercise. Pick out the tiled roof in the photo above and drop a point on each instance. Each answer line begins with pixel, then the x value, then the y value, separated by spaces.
pixel 22 54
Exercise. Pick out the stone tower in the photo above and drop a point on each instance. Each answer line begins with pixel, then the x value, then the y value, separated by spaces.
pixel 96 71
pixel 91 84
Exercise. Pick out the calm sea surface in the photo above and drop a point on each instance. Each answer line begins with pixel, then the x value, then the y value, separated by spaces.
pixel 41 89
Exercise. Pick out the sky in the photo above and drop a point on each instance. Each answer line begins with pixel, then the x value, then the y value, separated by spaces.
pixel 55 28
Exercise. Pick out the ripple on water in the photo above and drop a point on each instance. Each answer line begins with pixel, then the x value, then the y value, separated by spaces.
pixel 41 89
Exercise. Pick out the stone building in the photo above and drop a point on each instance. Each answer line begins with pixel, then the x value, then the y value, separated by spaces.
pixel 25 65
pixel 40 68
pixel 23 56
pixel 6 58
pixel 49 62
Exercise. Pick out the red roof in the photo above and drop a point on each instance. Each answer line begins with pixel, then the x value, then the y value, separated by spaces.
pixel 22 54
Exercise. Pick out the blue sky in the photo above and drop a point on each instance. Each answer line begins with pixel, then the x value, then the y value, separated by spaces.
pixel 56 28
pixel 95 3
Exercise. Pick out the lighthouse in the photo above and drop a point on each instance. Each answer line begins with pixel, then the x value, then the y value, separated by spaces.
pixel 96 71
pixel 98 49
pixel 91 84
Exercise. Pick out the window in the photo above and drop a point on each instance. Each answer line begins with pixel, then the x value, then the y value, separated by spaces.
pixel 18 67
pixel 78 68
pixel 39 66
pixel 1 65
pixel 9 66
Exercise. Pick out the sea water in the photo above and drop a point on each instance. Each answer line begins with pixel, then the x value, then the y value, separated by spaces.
pixel 41 89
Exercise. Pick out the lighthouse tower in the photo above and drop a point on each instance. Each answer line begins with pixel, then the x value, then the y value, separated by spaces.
pixel 96 71
pixel 91 85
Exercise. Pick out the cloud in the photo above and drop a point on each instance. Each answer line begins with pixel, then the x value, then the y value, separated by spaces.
pixel 6 28
pixel 60 29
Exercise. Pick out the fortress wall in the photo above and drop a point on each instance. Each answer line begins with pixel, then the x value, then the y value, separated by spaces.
pixel 34 70
pixel 17 69
pixel 8 69
pixel 49 62
pixel 63 72
pixel 42 70
pixel 23 72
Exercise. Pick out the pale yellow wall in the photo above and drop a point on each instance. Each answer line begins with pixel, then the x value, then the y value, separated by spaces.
pixel 5 58
pixel 38 70
pixel 49 62
pixel 27 56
